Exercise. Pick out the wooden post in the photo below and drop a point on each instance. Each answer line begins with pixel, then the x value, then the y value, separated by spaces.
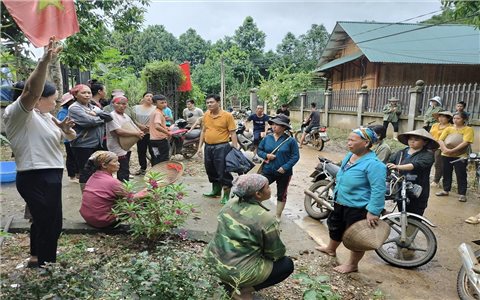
pixel 415 99
pixel 328 98
pixel 362 100
pixel 222 83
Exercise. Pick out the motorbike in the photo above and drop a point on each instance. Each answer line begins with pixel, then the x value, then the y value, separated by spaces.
pixel 245 138
pixel 317 137
pixel 468 278
pixel 182 141
pixel 411 242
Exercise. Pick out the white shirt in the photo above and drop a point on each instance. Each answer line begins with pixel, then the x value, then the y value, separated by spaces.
pixel 34 138
pixel 112 138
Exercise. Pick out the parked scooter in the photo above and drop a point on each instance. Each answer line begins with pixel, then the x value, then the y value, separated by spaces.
pixel 182 141
pixel 411 242
pixel 317 137
pixel 245 138
pixel 468 278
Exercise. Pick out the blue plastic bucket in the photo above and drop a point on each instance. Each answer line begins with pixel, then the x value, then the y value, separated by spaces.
pixel 8 171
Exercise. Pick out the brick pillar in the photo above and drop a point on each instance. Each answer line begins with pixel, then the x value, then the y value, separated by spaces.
pixel 328 98
pixel 362 101
pixel 415 99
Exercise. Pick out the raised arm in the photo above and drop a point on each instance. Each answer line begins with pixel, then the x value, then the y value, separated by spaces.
pixel 36 81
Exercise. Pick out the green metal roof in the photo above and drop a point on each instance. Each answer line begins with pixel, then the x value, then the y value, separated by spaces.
pixel 339 61
pixel 407 43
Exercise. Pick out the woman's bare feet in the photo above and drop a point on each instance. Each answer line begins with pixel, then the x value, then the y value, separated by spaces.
pixel 345 269
pixel 326 250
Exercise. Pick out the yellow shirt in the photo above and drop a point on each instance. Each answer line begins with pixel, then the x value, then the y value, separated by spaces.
pixel 466 132
pixel 436 131
pixel 217 128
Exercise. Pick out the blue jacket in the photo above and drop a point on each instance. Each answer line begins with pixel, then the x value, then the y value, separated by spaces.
pixel 286 156
pixel 363 184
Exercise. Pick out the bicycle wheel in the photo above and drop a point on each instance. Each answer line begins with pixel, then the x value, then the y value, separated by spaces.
pixel 314 209
pixel 465 289
pixel 419 249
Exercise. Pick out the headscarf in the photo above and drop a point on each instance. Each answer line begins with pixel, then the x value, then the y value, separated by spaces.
pixel 99 158
pixel 245 186
pixel 74 91
pixel 366 134
pixel 119 98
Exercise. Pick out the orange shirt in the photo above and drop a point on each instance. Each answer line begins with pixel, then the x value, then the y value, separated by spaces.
pixel 157 117
pixel 436 131
pixel 217 128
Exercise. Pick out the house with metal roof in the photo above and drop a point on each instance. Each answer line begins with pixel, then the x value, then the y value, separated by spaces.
pixel 393 54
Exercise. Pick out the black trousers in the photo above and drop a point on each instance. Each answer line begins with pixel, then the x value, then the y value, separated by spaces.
pixel 215 155
pixel 161 151
pixel 42 190
pixel 460 171
pixel 282 268
pixel 123 173
pixel 72 169
pixel 142 146
pixel 81 158
pixel 395 126
pixel 341 218
pixel 282 185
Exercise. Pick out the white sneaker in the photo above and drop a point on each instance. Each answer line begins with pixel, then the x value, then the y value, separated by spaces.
pixel 435 184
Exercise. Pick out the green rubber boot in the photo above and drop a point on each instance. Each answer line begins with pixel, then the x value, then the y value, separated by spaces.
pixel 216 191
pixel 226 196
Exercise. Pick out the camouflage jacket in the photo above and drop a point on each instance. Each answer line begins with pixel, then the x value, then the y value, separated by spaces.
pixel 246 244
pixel 428 119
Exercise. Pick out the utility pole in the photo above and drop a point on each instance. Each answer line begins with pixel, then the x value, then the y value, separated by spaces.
pixel 222 83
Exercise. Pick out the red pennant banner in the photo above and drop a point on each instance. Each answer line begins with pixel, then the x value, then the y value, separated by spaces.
pixel 41 19
pixel 187 84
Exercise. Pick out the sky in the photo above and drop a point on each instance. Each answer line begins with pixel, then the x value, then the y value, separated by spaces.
pixel 214 20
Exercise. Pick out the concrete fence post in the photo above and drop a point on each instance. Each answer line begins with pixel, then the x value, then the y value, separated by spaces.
pixel 362 101
pixel 253 99
pixel 328 99
pixel 415 98
pixel 303 100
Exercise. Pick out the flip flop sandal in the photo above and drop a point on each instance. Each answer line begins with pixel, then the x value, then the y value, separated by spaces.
pixel 473 220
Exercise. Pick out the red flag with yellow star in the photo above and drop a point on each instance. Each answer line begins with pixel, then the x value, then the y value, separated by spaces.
pixel 187 84
pixel 41 19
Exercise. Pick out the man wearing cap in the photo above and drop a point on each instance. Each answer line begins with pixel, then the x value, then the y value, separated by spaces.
pixel 391 113
pixel 415 161
pixel 218 127
pixel 434 107
pixel 115 131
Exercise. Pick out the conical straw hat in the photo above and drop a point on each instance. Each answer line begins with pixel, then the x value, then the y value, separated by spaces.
pixel 360 237
pixel 431 143
pixel 172 171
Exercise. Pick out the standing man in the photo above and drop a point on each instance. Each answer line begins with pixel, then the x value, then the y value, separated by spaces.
pixel 284 110
pixel 191 113
pixel 434 107
pixel 159 132
pixel 218 127
pixel 391 113
pixel 313 121
pixel 259 128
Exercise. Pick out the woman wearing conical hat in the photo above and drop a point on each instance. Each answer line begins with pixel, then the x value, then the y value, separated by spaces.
pixel 415 161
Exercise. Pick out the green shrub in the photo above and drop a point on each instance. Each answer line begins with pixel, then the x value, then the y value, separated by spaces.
pixel 317 288
pixel 157 212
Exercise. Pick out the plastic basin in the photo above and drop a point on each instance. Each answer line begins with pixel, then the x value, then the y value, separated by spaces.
pixel 8 171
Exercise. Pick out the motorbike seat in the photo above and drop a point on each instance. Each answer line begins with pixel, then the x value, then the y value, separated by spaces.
pixel 195 133
pixel 332 169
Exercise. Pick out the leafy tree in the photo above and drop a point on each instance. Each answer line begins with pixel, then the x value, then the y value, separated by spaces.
pixel 282 86
pixel 193 47
pixel 467 12
pixel 95 17
pixel 313 43
pixel 292 53
pixel 249 38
